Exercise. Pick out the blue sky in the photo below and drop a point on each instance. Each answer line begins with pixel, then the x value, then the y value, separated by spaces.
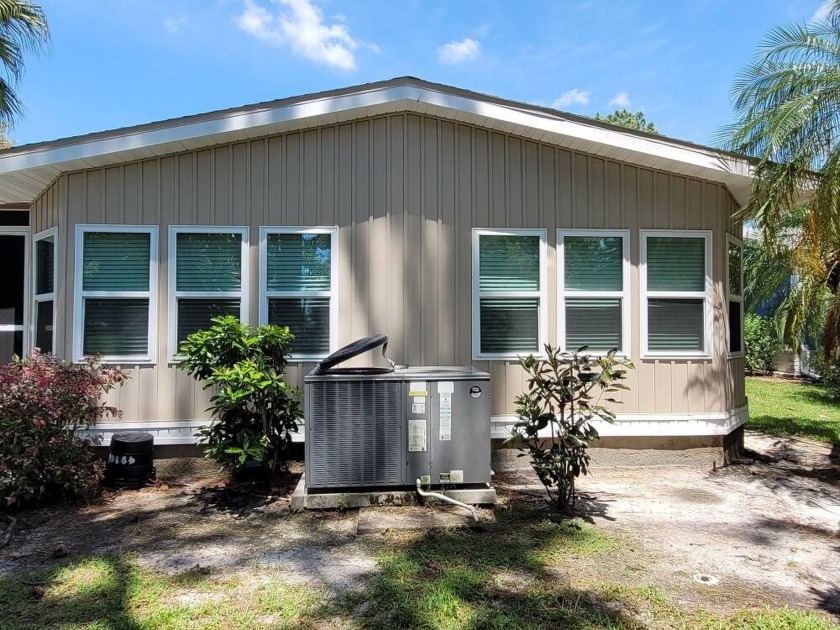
pixel 115 63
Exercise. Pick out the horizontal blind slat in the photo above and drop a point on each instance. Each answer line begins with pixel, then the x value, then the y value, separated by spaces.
pixel 593 322
pixel 307 318
pixel 45 266
pixel 675 325
pixel 298 262
pixel 509 263
pixel 593 263
pixel 194 314
pixel 116 327
pixel 116 261
pixel 676 264
pixel 509 325
pixel 208 262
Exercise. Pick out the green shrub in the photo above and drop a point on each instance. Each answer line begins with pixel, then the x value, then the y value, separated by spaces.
pixel 43 400
pixel 564 395
pixel 254 410
pixel 760 343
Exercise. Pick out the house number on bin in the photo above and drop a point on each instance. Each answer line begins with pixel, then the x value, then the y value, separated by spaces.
pixel 116 459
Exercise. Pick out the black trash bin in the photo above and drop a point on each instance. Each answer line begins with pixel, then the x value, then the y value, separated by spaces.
pixel 130 460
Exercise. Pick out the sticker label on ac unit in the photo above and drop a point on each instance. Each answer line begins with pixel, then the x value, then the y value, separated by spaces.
pixel 446 387
pixel 417 388
pixel 417 435
pixel 419 408
pixel 446 417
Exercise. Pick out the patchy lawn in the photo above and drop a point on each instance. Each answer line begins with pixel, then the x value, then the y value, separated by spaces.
pixel 785 407
pixel 752 546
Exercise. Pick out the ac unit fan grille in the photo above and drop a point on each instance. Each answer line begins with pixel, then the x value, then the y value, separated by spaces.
pixel 354 433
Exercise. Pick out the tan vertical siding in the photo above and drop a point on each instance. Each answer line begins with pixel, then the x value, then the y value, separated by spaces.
pixel 405 191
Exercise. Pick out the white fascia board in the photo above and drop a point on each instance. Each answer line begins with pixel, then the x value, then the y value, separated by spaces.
pixel 43 161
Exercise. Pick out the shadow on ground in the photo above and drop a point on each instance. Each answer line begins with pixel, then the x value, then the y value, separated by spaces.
pixel 501 575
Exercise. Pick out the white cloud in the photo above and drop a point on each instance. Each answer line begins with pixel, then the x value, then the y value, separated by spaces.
pixel 457 52
pixel 299 24
pixel 174 23
pixel 822 11
pixel 572 97
pixel 622 99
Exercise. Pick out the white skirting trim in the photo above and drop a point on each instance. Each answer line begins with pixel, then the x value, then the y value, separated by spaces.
pixel 164 431
pixel 626 425
pixel 650 425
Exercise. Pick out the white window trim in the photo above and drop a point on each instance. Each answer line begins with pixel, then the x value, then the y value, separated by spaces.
pixel 541 294
pixel 624 294
pixel 174 294
pixel 706 295
pixel 80 295
pixel 731 240
pixel 332 294
pixel 37 298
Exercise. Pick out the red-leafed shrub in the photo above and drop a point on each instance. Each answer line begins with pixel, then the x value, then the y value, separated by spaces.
pixel 43 400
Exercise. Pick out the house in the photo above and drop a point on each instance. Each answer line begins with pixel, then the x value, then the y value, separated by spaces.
pixel 471 229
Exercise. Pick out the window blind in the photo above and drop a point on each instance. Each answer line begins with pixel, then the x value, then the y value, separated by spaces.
pixel 676 264
pixel 298 262
pixel 116 261
pixel 509 263
pixel 593 263
pixel 595 323
pixel 195 314
pixel 116 327
pixel 45 266
pixel 209 262
pixel 307 318
pixel 675 325
pixel 509 325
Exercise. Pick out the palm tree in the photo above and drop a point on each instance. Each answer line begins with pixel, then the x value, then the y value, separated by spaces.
pixel 787 106
pixel 23 28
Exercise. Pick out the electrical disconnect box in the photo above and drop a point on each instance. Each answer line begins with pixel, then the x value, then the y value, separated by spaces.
pixel 386 427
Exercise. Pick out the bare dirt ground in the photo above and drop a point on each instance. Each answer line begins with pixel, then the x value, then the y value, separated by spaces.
pixel 766 531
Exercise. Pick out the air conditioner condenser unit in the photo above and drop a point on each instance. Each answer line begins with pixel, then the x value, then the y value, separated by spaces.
pixel 373 427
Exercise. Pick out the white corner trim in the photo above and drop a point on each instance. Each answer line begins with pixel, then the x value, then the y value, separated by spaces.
pixel 649 425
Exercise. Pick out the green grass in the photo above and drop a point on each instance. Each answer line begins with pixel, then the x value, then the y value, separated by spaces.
pixel 792 408
pixel 114 593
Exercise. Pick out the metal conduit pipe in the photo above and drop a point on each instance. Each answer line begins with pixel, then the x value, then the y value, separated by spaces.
pixel 443 497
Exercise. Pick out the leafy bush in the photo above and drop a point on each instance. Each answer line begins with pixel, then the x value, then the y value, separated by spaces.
pixel 254 410
pixel 43 400
pixel 760 343
pixel 561 396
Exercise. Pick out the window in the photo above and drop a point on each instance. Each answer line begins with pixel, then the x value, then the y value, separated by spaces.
pixel 115 280
pixel 208 277
pixel 675 283
pixel 735 294
pixel 298 286
pixel 44 294
pixel 593 272
pixel 509 303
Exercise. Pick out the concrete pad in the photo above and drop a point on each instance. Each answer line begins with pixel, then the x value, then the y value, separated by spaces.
pixel 302 500
pixel 372 520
